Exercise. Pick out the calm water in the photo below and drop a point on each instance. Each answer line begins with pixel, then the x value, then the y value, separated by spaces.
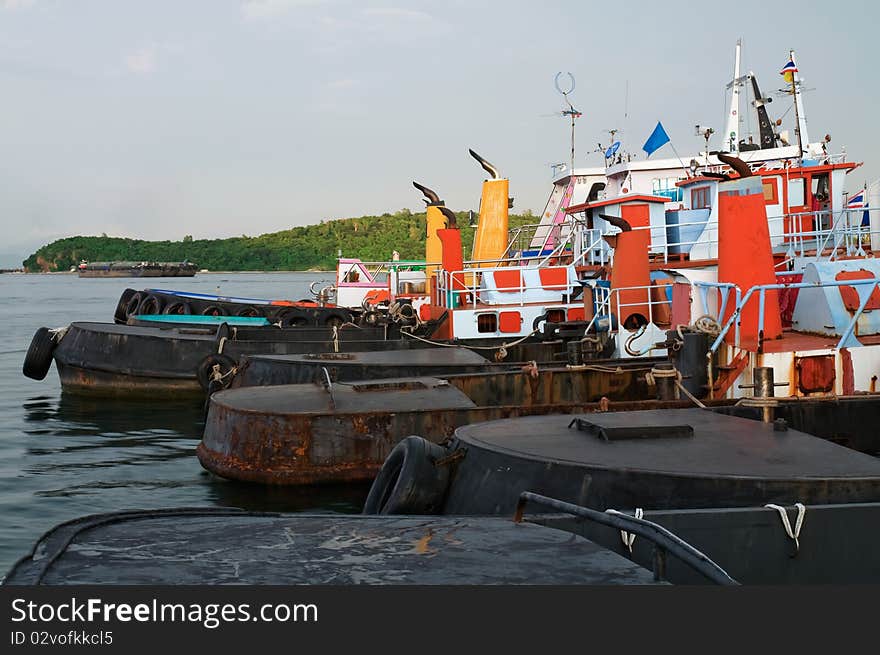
pixel 63 456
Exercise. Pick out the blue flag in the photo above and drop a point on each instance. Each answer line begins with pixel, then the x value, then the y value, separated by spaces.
pixel 657 139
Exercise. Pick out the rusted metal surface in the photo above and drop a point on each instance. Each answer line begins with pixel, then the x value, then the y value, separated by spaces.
pixel 815 373
pixel 291 435
pixel 94 382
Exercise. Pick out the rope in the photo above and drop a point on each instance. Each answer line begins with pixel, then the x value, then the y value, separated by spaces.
pixel 335 339
pixel 786 524
pixel 655 373
pixel 628 538
pixel 596 368
pixel 707 323
pixel 687 393
pixel 58 333
pixel 757 401
pixel 503 347
pixel 217 376
pixel 220 346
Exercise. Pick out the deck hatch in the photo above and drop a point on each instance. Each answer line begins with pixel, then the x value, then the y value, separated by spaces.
pixel 626 432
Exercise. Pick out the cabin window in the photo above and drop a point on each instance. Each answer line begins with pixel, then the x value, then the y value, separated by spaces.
pixel 700 198
pixel 666 187
pixel 487 322
pixel 796 197
pixel 771 193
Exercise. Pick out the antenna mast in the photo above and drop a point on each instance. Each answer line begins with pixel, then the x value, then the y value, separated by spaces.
pixel 731 134
pixel 571 111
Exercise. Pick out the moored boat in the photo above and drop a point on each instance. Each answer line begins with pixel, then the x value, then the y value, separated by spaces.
pixel 137 269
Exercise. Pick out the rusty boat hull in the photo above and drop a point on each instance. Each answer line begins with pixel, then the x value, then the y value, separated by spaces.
pixel 305 434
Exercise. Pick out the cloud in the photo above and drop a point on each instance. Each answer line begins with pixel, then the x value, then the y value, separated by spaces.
pixel 343 84
pixel 395 12
pixel 12 5
pixel 142 62
pixel 146 59
pixel 268 9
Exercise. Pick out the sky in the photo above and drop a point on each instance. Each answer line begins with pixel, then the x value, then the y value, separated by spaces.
pixel 217 118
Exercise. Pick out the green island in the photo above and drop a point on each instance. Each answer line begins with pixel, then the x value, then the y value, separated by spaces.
pixel 309 247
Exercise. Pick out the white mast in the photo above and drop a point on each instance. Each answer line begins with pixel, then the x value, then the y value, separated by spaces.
pixel 801 129
pixel 731 133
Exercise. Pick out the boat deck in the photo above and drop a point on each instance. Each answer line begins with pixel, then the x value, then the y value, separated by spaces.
pixel 191 546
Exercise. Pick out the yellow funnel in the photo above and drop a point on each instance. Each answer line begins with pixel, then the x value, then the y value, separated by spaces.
pixel 490 241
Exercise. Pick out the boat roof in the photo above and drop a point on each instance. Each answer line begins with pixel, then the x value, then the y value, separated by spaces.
pixel 387 395
pixel 720 446
pixel 416 357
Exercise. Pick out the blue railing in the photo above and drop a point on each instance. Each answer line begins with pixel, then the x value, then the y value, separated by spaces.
pixel 847 339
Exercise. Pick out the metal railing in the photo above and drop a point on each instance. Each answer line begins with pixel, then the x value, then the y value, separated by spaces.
pixel 847 340
pixel 665 542
pixel 841 236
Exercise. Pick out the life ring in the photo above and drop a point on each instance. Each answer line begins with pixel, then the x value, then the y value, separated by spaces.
pixel 205 372
pixel 409 481
pixel 151 304
pixel 177 307
pixel 38 359
pixel 121 315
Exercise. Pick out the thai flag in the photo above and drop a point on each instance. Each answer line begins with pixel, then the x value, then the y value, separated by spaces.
pixel 788 71
pixel 856 201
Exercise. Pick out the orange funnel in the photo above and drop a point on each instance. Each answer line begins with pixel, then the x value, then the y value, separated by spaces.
pixel 631 269
pixel 452 262
pixel 745 257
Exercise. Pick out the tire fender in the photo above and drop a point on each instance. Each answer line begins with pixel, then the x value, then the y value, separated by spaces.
pixel 38 359
pixel 409 481
pixel 205 372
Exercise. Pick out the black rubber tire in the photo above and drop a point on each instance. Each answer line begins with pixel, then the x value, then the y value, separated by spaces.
pixel 120 315
pixel 409 482
pixel 151 304
pixel 205 368
pixel 212 310
pixel 335 319
pixel 249 311
pixel 177 308
pixel 38 359
pixel 291 318
pixel 370 317
pixel 134 302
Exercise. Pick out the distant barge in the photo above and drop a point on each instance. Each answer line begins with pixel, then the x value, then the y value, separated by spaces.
pixel 137 269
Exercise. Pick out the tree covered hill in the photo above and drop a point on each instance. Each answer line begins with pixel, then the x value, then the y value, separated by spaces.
pixel 371 238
